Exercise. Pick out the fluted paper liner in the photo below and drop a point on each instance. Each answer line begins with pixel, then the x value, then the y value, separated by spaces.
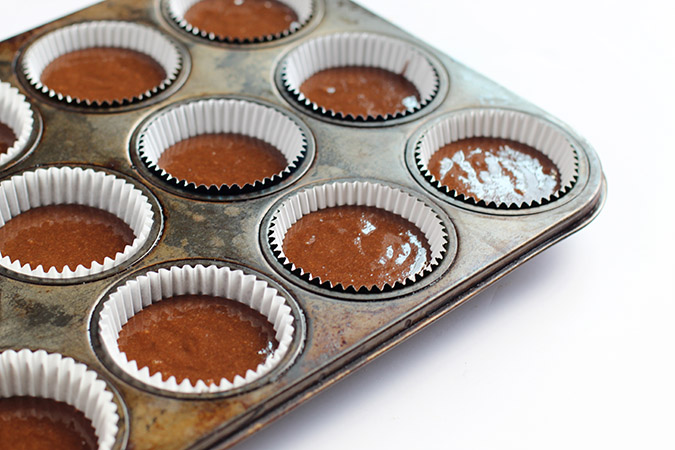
pixel 153 287
pixel 359 193
pixel 304 9
pixel 127 35
pixel 52 376
pixel 15 112
pixel 504 124
pixel 222 115
pixel 67 185
pixel 359 49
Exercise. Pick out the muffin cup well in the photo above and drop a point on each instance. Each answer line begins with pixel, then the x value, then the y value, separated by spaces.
pixel 221 115
pixel 115 34
pixel 155 286
pixel 358 193
pixel 52 376
pixel 177 9
pixel 68 185
pixel 504 124
pixel 15 112
pixel 363 50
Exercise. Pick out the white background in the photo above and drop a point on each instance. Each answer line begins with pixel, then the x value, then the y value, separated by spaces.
pixel 576 348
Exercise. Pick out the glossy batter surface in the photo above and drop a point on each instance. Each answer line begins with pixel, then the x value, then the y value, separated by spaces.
pixel 223 158
pixel 64 235
pixel 7 138
pixel 241 18
pixel 493 169
pixel 29 423
pixel 357 246
pixel 199 337
pixel 361 91
pixel 103 74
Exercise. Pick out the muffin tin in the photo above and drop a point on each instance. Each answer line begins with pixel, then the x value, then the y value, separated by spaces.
pixel 335 330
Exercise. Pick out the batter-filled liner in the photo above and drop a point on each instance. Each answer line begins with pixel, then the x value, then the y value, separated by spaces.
pixel 101 34
pixel 360 50
pixel 153 287
pixel 51 376
pixel 303 9
pixel 508 125
pixel 365 194
pixel 222 116
pixel 76 186
pixel 16 114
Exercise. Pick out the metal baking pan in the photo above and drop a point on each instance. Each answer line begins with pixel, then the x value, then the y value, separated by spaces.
pixel 339 331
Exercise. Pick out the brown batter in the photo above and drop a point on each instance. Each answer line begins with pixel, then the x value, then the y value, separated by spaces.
pixel 29 423
pixel 357 246
pixel 361 91
pixel 7 138
pixel 103 74
pixel 199 337
pixel 224 158
pixel 495 170
pixel 241 19
pixel 64 235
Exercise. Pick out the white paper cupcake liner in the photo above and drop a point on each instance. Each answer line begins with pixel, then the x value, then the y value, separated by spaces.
pixel 52 376
pixel 222 115
pixel 504 124
pixel 15 112
pixel 67 185
pixel 359 49
pixel 153 287
pixel 117 34
pixel 303 8
pixel 359 193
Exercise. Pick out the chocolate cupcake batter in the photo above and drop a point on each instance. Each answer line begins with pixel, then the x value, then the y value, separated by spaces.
pixel 103 74
pixel 222 159
pixel 198 337
pixel 64 235
pixel 39 423
pixel 495 170
pixel 241 19
pixel 7 138
pixel 361 91
pixel 357 246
